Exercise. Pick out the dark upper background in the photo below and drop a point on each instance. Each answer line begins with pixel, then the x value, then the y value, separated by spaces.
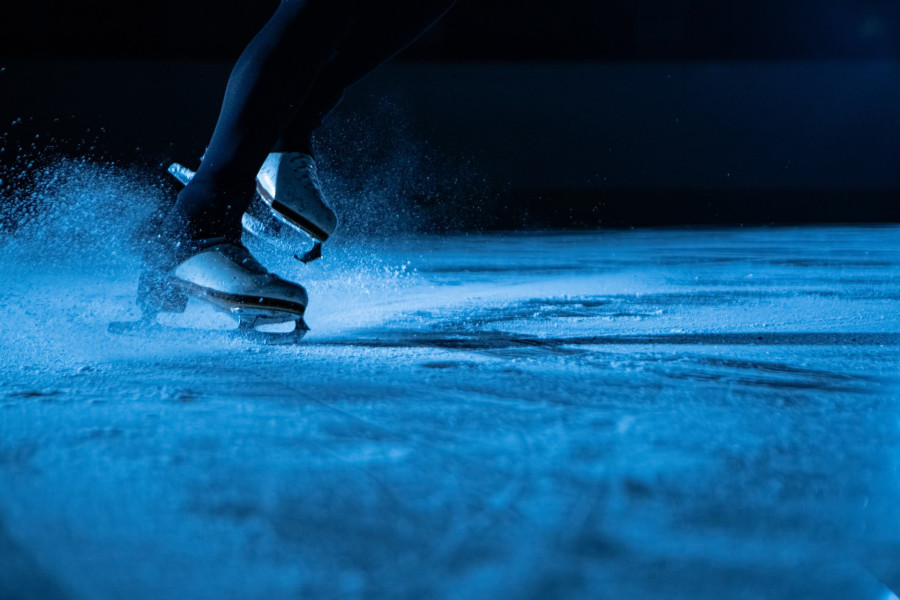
pixel 651 30
pixel 623 112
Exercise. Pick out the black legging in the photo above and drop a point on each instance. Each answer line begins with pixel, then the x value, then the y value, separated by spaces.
pixel 290 76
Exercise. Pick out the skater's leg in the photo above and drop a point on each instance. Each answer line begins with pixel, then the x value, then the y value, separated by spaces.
pixel 268 83
pixel 381 32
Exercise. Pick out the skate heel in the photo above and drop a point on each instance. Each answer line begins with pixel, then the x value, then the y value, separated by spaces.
pixel 156 295
pixel 172 300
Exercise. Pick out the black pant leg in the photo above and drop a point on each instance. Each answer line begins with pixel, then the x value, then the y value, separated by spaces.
pixel 267 85
pixel 382 30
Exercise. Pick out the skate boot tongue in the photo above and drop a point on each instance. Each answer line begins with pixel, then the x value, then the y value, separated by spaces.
pixel 237 253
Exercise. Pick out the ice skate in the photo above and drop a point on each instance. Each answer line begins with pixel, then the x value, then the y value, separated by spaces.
pixel 289 185
pixel 225 275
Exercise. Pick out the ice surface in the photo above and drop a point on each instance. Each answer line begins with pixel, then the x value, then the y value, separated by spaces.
pixel 645 414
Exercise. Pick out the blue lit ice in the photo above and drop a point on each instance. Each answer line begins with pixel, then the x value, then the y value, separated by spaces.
pixel 642 414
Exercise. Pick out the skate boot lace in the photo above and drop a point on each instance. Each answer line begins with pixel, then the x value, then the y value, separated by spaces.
pixel 304 167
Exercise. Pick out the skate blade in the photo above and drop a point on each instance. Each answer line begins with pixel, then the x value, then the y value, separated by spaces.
pixel 251 331
pixel 181 173
pixel 312 254
pixel 271 324
pixel 244 330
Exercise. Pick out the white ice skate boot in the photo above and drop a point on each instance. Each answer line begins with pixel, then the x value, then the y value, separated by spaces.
pixel 224 274
pixel 289 183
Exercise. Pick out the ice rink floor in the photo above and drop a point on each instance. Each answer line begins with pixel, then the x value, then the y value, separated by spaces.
pixel 699 414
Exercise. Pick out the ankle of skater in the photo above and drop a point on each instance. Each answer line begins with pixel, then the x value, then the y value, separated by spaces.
pixel 204 211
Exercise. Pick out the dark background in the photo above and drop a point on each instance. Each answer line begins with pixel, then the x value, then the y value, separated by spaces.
pixel 523 30
pixel 564 113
